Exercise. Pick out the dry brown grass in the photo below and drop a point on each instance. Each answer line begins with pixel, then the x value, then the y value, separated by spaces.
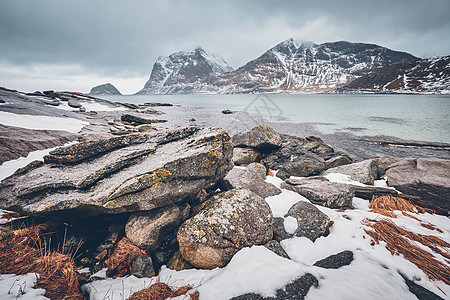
pixel 430 227
pixel 398 241
pixel 161 291
pixel 386 204
pixel 24 251
pixel 122 255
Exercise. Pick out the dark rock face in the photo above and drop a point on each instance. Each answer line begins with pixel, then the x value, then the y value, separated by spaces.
pixel 104 89
pixel 427 178
pixel 296 157
pixel 148 230
pixel 252 178
pixel 262 138
pixel 311 222
pixel 337 161
pixel 142 266
pixel 419 291
pixel 320 191
pixel 228 222
pixel 139 172
pixel 139 120
pixel 276 248
pixel 336 261
pixel 419 75
pixel 295 290
pixel 16 142
pixel 290 155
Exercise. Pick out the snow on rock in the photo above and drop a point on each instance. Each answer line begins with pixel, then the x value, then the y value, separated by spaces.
pixel 42 122
pixel 9 167
pixel 374 272
pixel 20 287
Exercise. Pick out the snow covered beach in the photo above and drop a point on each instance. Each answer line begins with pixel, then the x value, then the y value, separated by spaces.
pixel 373 272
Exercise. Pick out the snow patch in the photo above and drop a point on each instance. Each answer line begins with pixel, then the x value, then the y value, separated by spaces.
pixel 41 122
pixel 290 224
pixel 13 287
pixel 9 167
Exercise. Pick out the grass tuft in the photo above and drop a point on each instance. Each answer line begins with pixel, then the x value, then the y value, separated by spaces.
pixel 24 251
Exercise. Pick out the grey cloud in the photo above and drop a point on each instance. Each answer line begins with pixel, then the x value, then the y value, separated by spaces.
pixel 124 38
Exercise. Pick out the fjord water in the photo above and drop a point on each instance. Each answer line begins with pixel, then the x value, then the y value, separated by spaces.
pixel 409 117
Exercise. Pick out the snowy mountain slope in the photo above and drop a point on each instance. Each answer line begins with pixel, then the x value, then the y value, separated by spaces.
pixel 420 76
pixel 184 72
pixel 291 66
pixel 305 67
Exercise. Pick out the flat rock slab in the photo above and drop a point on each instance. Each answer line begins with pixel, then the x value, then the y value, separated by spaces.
pixel 365 171
pixel 427 178
pixel 320 191
pixel 135 173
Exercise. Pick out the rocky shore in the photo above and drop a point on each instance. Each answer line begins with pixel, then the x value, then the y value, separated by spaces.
pixel 137 197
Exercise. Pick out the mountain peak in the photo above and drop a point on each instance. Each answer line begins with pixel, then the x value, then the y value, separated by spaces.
pixel 297 43
pixel 184 69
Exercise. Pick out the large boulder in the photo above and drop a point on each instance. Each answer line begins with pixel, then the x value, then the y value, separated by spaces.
pixel 251 178
pixel 148 230
pixel 244 156
pixel 229 221
pixel 428 178
pixel 365 171
pixel 311 222
pixel 320 191
pixel 293 159
pixel 124 174
pixel 261 137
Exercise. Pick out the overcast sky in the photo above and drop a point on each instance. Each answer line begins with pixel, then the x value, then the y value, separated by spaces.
pixel 77 44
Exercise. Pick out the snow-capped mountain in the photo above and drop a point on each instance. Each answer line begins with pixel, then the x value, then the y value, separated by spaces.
pixel 289 67
pixel 419 76
pixel 184 72
pixel 305 67
pixel 104 89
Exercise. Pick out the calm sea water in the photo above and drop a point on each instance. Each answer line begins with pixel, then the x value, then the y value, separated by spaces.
pixel 410 117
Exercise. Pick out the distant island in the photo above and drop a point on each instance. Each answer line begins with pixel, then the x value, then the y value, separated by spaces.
pixel 104 89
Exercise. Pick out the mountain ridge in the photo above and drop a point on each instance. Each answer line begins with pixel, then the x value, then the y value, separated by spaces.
pixel 289 67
